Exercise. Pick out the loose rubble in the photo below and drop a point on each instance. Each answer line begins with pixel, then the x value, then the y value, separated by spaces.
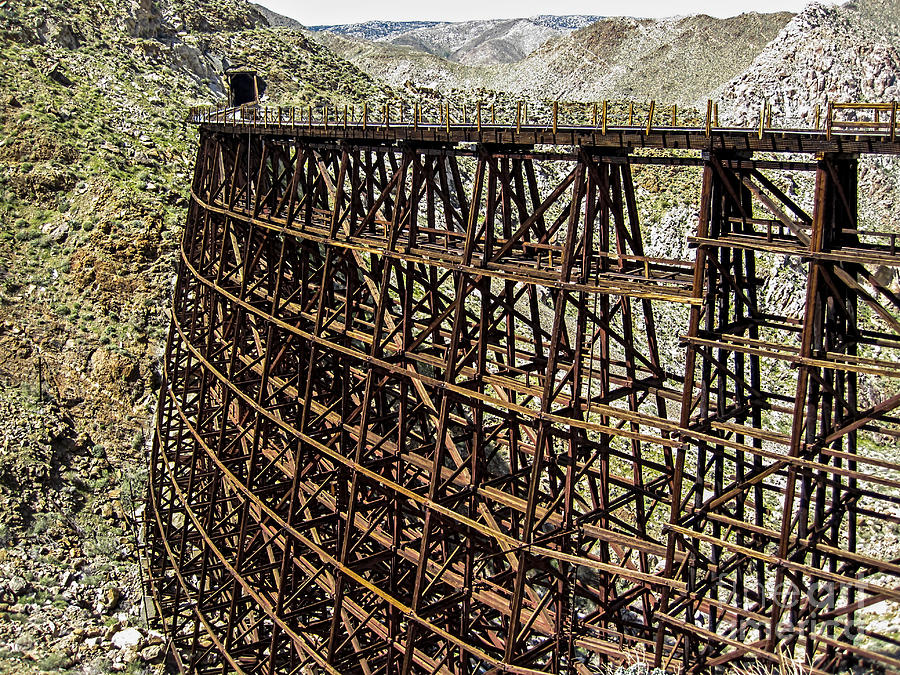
pixel 70 589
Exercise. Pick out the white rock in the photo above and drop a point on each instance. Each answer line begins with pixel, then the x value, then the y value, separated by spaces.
pixel 129 637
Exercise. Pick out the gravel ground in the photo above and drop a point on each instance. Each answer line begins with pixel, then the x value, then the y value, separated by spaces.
pixel 70 580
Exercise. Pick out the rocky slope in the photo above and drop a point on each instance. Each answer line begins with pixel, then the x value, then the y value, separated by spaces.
pixel 829 53
pixel 611 58
pixel 276 20
pixel 95 160
pixel 826 53
pixel 636 58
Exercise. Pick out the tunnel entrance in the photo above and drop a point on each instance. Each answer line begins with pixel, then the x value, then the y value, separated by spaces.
pixel 244 87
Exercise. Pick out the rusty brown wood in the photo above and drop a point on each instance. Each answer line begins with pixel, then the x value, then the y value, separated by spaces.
pixel 435 409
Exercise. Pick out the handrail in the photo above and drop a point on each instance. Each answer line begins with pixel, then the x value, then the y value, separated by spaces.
pixel 879 119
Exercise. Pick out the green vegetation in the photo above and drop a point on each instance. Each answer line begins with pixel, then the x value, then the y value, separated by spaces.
pixel 95 164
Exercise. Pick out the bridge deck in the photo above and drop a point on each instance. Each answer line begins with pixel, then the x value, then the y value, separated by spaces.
pixel 837 136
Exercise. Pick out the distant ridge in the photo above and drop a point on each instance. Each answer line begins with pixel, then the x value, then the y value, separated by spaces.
pixel 474 43
pixel 682 59
pixel 565 22
pixel 376 30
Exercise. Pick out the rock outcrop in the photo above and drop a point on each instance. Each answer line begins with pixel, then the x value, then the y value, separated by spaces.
pixel 826 53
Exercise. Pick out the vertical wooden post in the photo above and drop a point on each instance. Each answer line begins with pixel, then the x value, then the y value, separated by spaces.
pixel 555 115
pixel 893 121
pixel 709 110
pixel 650 117
pixel 605 116
pixel 762 120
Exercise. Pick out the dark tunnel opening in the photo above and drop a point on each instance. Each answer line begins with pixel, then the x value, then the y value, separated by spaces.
pixel 245 87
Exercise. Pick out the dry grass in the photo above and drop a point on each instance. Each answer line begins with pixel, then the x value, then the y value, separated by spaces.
pixel 636 662
pixel 786 665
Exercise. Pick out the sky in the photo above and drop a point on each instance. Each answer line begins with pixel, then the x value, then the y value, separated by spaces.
pixel 313 13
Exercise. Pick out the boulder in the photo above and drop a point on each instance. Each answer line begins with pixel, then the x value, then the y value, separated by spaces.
pixel 143 20
pixel 111 367
pixel 127 637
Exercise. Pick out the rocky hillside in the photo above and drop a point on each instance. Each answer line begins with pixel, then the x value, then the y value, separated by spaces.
pixel 611 58
pixel 406 67
pixel 470 42
pixel 275 20
pixel 95 161
pixel 638 58
pixel 829 53
pixel 826 53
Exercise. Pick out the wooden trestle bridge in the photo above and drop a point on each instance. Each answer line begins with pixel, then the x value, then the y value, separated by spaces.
pixel 430 406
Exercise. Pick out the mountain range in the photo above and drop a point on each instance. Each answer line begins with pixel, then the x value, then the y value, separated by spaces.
pixel 615 57
pixel 468 42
